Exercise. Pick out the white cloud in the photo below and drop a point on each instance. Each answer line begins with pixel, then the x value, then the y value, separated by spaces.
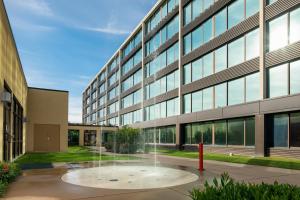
pixel 75 105
pixel 35 7
pixel 109 30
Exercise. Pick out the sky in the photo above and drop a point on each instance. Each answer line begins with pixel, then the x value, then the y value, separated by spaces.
pixel 63 44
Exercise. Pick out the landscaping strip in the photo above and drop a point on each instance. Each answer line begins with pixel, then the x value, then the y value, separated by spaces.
pixel 279 162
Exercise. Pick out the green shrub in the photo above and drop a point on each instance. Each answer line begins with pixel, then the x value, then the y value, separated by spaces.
pixel 125 140
pixel 8 173
pixel 227 189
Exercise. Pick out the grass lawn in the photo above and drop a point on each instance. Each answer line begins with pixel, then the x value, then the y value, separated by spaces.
pixel 279 162
pixel 74 154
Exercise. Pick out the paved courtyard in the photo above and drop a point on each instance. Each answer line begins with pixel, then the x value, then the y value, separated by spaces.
pixel 46 184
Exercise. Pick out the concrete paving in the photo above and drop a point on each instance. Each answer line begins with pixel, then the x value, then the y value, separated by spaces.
pixel 46 184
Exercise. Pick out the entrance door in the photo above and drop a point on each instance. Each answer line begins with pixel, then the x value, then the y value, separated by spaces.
pixel 46 137
pixel 73 138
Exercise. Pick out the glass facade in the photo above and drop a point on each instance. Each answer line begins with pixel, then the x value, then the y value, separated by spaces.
pixel 160 135
pixel 284 30
pixel 233 132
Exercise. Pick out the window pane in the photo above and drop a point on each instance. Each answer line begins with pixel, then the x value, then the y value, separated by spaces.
pixel 250 131
pixel 236 91
pixel 187 44
pixel 235 13
pixel 295 77
pixel 295 26
pixel 235 135
pixel 197 8
pixel 196 134
pixel 187 14
pixel 187 74
pixel 280 130
pixel 208 98
pixel 197 38
pixel 187 103
pixel 236 52
pixel 252 7
pixel 197 101
pixel 163 107
pixel 170 82
pixel 220 132
pixel 295 130
pixel 278 33
pixel 221 59
pixel 208 3
pixel 206 130
pixel 207 65
pixel 221 95
pixel 197 70
pixel 207 31
pixel 188 134
pixel 252 44
pixel 278 81
pixel 221 22
pixel 252 87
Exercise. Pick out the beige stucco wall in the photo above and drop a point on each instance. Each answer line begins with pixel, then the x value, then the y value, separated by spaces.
pixel 10 70
pixel 98 129
pixel 47 107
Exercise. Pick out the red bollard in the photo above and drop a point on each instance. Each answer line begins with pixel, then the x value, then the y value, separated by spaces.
pixel 201 157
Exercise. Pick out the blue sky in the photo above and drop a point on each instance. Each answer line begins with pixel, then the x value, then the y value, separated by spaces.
pixel 64 43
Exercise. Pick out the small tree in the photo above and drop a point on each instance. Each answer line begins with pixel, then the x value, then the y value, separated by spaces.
pixel 125 140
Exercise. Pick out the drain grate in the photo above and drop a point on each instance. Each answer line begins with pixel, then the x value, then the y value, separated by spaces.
pixel 114 180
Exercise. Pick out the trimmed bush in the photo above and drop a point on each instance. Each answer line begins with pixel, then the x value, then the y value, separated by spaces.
pixel 126 140
pixel 227 189
pixel 8 173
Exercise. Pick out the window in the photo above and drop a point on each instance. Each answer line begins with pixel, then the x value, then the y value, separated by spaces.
pixel 207 65
pixel 197 38
pixel 295 130
pixel 187 108
pixel 295 26
pixel 252 44
pixel 252 87
pixel 250 131
pixel 235 134
pixel 208 98
pixel 278 81
pixel 221 95
pixel 221 22
pixel 188 14
pixel 235 13
pixel 187 48
pixel 294 77
pixel 252 7
pixel 236 52
pixel 278 33
pixel 280 125
pixel 197 101
pixel 221 59
pixel 197 70
pixel 197 8
pixel 172 107
pixel 187 74
pixel 220 132
pixel 207 31
pixel 236 92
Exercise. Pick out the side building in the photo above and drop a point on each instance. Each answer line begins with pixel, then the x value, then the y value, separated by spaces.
pixel 223 72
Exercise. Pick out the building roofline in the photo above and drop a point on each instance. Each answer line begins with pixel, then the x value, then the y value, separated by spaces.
pixel 14 41
pixel 157 4
pixel 46 89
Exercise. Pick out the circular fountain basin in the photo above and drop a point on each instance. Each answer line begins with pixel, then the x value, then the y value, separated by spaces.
pixel 129 177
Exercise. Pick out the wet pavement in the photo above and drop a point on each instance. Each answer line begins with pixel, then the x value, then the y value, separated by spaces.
pixel 46 184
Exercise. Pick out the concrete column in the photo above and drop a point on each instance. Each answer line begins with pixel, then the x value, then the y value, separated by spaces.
pixel 81 137
pixel 260 119
pixel 260 135
pixel 178 136
pixel 98 138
